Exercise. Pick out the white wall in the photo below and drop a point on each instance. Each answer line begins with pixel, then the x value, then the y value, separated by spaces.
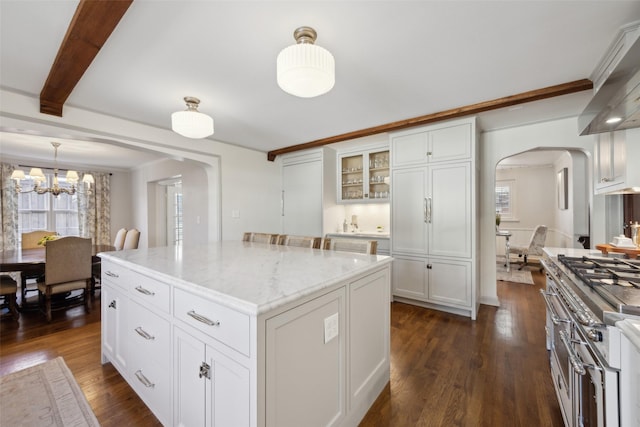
pixel 121 202
pixel 499 144
pixel 237 179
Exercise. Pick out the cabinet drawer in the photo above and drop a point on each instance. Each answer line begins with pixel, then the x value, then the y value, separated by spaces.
pixel 149 291
pixel 152 382
pixel 221 323
pixel 149 334
pixel 115 274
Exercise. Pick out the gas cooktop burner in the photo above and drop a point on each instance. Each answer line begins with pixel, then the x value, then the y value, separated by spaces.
pixel 616 280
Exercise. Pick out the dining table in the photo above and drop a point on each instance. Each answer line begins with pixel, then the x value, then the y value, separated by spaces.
pixel 33 261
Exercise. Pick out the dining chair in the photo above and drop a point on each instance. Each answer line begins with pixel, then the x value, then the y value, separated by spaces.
pixel 118 242
pixel 67 268
pixel 299 241
pixel 8 291
pixel 30 241
pixel 369 247
pixel 260 237
pixel 536 243
pixel 132 239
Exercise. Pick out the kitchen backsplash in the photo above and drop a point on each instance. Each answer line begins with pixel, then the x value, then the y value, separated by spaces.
pixel 370 216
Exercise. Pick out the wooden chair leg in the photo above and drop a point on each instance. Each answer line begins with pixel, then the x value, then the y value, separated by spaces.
pixel 13 306
pixel 88 296
pixel 47 304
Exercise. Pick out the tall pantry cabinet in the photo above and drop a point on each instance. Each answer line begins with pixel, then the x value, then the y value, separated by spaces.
pixel 433 216
pixel 308 182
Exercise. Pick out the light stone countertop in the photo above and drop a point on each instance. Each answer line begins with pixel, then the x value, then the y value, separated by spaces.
pixel 371 234
pixel 249 277
pixel 574 252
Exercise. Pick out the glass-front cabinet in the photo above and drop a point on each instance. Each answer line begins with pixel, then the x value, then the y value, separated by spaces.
pixel 363 177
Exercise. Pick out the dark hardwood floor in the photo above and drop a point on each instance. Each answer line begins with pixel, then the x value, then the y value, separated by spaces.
pixel 446 370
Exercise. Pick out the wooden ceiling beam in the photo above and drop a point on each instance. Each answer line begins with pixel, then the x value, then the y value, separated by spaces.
pixel 507 101
pixel 91 26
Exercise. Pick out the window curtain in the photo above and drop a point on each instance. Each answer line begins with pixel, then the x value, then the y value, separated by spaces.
pixel 8 209
pixel 94 209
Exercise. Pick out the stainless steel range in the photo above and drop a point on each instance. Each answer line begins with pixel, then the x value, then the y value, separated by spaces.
pixel 586 294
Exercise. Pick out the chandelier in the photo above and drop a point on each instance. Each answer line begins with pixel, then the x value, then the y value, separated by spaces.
pixel 38 177
pixel 305 69
pixel 192 123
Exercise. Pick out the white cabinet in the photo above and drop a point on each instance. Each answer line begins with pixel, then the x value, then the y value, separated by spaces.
pixel 211 389
pixel 431 211
pixel 439 143
pixel 363 176
pixel 327 359
pixel 433 215
pixel 306 176
pixel 438 281
pixel 616 159
pixel 296 340
pixel 114 321
pixel 150 360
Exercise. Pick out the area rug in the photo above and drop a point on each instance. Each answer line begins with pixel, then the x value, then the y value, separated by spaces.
pixel 514 275
pixel 44 395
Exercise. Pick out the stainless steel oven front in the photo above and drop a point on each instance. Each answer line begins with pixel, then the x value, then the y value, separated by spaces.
pixel 559 323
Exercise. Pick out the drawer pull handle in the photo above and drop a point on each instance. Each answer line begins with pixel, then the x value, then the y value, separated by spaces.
pixel 144 291
pixel 201 318
pixel 144 334
pixel 110 274
pixel 144 379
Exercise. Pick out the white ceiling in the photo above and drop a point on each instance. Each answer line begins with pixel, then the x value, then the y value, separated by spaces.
pixel 394 60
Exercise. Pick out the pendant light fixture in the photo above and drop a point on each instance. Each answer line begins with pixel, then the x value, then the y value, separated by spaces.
pixel 192 123
pixel 38 177
pixel 305 69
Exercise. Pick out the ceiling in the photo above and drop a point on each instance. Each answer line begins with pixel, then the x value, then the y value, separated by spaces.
pixel 394 60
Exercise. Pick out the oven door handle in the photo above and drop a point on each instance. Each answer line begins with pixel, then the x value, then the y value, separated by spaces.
pixel 552 311
pixel 576 363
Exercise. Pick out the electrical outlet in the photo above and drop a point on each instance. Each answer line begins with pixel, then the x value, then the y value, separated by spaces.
pixel 331 327
pixel 235 213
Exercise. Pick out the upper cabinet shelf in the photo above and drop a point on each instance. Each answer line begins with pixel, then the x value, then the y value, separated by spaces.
pixel 363 177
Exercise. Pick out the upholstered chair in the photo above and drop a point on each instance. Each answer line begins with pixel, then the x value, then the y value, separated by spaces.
pixel 300 241
pixel 132 239
pixel 28 278
pixel 351 245
pixel 536 243
pixel 118 242
pixel 67 268
pixel 260 238
pixel 8 290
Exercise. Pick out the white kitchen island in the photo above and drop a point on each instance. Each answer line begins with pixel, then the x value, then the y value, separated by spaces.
pixel 248 334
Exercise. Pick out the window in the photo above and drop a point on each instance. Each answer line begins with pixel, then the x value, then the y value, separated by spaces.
pixel 47 212
pixel 505 199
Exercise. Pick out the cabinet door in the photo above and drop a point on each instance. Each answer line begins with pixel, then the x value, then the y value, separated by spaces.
pixel 409 278
pixel 227 391
pixel 449 282
pixel 450 143
pixel 449 210
pixel 409 149
pixel 114 324
pixel 609 160
pixel 409 211
pixel 305 364
pixel 352 179
pixel 368 334
pixel 302 199
pixel 189 388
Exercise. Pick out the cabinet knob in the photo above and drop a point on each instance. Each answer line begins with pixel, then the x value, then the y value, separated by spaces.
pixel 429 153
pixel 112 304
pixel 429 266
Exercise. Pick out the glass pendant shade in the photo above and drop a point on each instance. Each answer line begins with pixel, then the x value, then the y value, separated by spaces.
pixel 191 123
pixel 305 69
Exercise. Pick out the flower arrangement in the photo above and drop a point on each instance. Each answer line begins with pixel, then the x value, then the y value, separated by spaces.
pixel 45 239
pixel 498 218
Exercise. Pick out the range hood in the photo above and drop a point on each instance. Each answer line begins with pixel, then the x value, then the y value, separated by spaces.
pixel 619 95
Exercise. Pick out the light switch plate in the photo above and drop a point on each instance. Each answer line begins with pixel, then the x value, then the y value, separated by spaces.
pixel 331 327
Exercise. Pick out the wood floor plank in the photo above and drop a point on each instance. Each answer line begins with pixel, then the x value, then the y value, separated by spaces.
pixel 446 370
